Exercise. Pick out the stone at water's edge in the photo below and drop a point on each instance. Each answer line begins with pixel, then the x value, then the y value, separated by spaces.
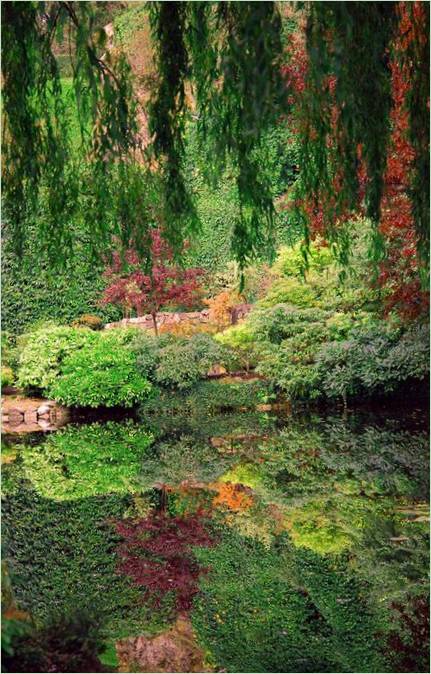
pixel 174 650
pixel 28 415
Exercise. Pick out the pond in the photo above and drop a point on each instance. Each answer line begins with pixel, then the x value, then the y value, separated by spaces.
pixel 242 542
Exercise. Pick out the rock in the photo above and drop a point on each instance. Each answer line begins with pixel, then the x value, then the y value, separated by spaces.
pixel 44 409
pixel 46 416
pixel 263 407
pixel 15 416
pixel 30 417
pixel 174 650
pixel 216 370
pixel 25 428
pixel 45 424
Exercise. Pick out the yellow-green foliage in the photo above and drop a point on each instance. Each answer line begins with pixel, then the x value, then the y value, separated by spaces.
pixel 247 474
pixel 80 462
pixel 291 260
pixel 6 376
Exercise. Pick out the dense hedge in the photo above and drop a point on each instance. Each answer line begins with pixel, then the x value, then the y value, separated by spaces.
pixel 30 294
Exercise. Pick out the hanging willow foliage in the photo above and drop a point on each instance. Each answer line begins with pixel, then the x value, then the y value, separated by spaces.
pixel 346 106
pixel 230 52
pixel 220 64
pixel 44 177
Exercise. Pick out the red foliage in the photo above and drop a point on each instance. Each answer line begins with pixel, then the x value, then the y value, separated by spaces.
pixel 165 283
pixel 156 554
pixel 399 271
pixel 411 642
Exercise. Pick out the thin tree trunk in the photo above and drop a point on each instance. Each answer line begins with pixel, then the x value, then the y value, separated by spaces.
pixel 156 331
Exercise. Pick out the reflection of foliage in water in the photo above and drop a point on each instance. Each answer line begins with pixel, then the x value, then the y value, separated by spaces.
pixel 155 553
pixel 61 557
pixel 254 618
pixel 182 460
pixel 78 462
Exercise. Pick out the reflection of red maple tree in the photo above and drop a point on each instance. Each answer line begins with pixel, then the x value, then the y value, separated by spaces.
pixel 156 554
pixel 165 283
pixel 399 271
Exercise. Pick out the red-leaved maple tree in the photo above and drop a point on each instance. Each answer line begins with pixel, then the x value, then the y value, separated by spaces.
pixel 148 290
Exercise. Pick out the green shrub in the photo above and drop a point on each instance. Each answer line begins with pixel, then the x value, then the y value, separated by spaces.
pixel 7 377
pixel 290 291
pixel 282 321
pixel 43 352
pixel 61 295
pixel 182 363
pixel 240 338
pixel 101 373
pixel 376 360
pixel 291 261
pixel 146 347
pixel 9 353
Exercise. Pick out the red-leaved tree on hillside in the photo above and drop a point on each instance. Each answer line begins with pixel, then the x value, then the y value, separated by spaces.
pixel 147 291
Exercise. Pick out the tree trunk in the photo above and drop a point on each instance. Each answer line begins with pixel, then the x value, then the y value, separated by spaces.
pixel 156 331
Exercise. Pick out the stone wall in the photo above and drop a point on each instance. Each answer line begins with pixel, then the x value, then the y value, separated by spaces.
pixel 165 318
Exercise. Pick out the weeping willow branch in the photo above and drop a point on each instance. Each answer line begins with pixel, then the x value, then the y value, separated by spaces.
pixel 219 62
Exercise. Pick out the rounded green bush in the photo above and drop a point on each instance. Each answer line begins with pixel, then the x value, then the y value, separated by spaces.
pixel 100 374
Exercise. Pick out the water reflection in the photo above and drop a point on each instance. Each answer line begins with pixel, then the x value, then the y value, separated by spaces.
pixel 294 543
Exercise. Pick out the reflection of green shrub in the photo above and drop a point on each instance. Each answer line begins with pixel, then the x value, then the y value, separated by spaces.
pixel 277 609
pixel 68 643
pixel 88 460
pixel 208 397
pixel 71 545
pixel 102 373
pixel 250 618
pixel 182 460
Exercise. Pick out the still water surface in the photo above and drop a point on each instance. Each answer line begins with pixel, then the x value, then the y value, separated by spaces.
pixel 289 542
